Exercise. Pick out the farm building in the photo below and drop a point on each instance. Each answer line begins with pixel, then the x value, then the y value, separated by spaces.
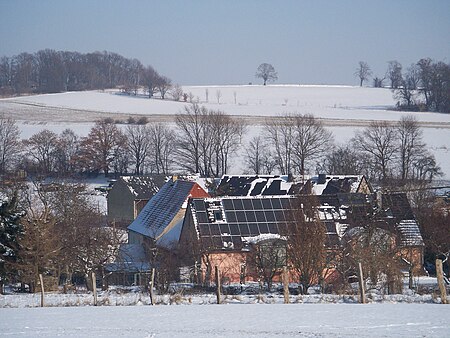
pixel 221 231
pixel 129 195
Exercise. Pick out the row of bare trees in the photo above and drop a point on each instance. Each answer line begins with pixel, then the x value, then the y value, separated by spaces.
pixel 384 152
pixel 50 71
pixel 202 142
pixel 424 86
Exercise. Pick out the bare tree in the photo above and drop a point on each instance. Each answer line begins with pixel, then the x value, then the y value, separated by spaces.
pixel 10 144
pixel 39 245
pixel 394 74
pixel 206 140
pixel 379 142
pixel 280 134
pixel 345 159
pixel 372 242
pixel 138 145
pixel 258 158
pixel 378 81
pixel 206 95
pixel 100 147
pixel 268 258
pixel 177 92
pixel 41 149
pixel 226 133
pixel 218 95
pixel 363 72
pixel 306 242
pixel 266 72
pixel 164 84
pixel 311 140
pixel 162 148
pixel 190 127
pixel 150 79
pixel 67 151
pixel 411 146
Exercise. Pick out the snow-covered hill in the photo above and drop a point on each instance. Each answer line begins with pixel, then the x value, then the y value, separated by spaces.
pixel 343 109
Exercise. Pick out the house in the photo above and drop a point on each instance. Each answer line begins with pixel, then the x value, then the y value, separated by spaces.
pixel 159 222
pixel 220 231
pixel 129 194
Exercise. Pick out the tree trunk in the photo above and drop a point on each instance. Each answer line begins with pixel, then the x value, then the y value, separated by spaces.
pixel 440 278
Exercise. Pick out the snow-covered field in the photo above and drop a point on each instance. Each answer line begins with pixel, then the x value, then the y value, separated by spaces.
pixel 230 320
pixel 343 109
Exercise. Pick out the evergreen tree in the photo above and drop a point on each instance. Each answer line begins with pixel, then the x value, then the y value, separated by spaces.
pixel 10 231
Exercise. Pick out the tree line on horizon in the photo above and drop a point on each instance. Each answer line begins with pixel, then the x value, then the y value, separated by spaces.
pixel 424 86
pixel 50 71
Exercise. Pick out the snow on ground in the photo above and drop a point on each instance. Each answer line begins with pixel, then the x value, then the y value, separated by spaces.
pixel 230 320
pixel 343 108
pixel 331 102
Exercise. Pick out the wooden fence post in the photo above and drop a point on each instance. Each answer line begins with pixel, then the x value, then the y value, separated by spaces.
pixel 440 278
pixel 41 280
pixel 362 292
pixel 217 284
pixel 94 287
pixel 285 280
pixel 152 282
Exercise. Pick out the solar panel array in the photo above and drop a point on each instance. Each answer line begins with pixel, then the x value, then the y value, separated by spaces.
pixel 223 223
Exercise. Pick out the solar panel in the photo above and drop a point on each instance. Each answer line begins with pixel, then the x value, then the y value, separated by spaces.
pixel 234 229
pixel 263 228
pixel 199 205
pixel 257 204
pixel 224 229
pixel 244 229
pixel 260 217
pixel 238 204
pixel 227 204
pixel 273 228
pixel 266 203
pixel 241 218
pixel 247 204
pixel 230 216
pixel 214 228
pixel 270 216
pixel 276 204
pixel 251 217
pixel 201 217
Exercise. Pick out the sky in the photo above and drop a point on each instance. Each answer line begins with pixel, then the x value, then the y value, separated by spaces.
pixel 199 42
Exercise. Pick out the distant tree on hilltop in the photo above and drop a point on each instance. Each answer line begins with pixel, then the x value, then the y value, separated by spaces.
pixel 266 72
pixel 363 72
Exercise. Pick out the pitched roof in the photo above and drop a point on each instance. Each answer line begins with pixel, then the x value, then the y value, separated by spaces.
pixel 159 212
pixel 229 222
pixel 144 187
pixel 396 206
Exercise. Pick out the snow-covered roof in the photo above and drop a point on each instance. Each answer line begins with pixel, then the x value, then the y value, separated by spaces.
pixel 333 184
pixel 255 185
pixel 144 187
pixel 409 233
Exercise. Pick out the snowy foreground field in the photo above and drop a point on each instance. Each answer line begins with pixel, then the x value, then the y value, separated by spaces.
pixel 343 109
pixel 230 320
